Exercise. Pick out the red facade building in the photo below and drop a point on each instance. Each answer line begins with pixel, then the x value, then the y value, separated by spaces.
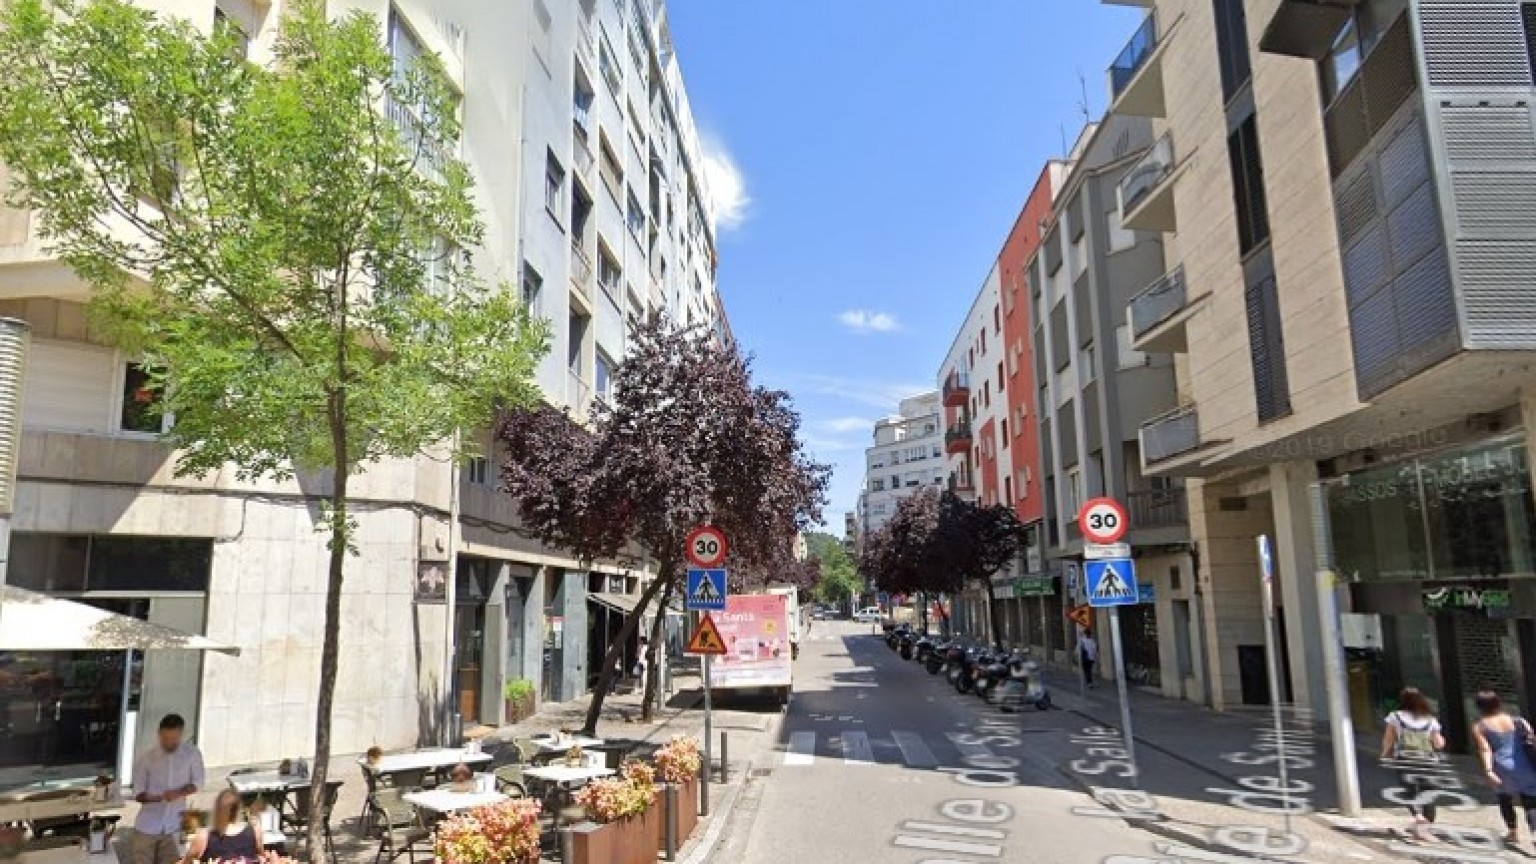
pixel 1026 486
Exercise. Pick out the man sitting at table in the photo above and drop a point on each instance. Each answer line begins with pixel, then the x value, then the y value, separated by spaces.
pixel 163 777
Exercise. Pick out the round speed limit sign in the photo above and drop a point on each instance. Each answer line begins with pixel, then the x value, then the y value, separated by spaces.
pixel 706 547
pixel 1102 520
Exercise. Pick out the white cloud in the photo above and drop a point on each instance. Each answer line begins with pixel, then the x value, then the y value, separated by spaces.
pixel 878 394
pixel 727 186
pixel 844 425
pixel 868 321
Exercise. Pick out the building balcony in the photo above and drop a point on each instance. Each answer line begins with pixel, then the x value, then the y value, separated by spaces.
pixel 957 389
pixel 1146 191
pixel 961 485
pixel 581 272
pixel 1136 76
pixel 581 154
pixel 1169 435
pixel 957 438
pixel 1158 315
pixel 578 395
pixel 1158 508
pixel 1305 28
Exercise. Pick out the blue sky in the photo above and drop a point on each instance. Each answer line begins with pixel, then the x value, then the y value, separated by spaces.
pixel 868 159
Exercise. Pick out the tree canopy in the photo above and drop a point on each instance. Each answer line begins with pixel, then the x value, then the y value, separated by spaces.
pixel 839 577
pixel 685 439
pixel 292 266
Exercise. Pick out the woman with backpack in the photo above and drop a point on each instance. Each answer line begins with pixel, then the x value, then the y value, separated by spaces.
pixel 1504 745
pixel 1413 734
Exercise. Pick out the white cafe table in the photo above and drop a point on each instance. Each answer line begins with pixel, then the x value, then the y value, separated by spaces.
pixel 567 775
pixel 548 743
pixel 448 801
pixel 426 760
pixel 256 782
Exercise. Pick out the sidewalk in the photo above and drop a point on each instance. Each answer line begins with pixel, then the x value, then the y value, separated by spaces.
pixel 1195 762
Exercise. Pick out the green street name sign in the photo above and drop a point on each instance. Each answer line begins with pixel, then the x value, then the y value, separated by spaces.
pixel 1466 598
pixel 1034 586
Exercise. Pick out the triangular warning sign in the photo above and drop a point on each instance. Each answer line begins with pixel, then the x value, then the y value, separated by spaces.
pixel 1111 586
pixel 706 639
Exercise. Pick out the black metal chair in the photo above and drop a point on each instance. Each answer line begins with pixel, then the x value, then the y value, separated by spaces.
pixel 298 820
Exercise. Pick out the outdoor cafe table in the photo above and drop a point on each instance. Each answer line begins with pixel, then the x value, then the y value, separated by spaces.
pixel 448 801
pixel 549 744
pixel 567 775
pixel 257 782
pixel 426 760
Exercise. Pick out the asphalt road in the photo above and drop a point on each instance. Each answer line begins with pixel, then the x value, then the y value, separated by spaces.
pixel 879 762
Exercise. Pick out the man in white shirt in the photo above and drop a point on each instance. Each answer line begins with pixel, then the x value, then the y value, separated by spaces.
pixel 1088 654
pixel 163 777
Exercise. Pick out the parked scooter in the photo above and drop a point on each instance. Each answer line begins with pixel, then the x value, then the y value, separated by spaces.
pixel 1023 686
pixel 991 671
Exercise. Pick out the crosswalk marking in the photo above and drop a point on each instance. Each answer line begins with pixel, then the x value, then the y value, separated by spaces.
pixel 856 749
pixel 914 751
pixel 802 749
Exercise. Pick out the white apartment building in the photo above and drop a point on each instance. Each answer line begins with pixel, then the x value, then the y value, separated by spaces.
pixel 578 131
pixel 907 455
pixel 973 381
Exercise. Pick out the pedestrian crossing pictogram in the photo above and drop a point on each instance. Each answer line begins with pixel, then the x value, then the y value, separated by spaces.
pixel 1112 583
pixel 706 589
pixel 706 639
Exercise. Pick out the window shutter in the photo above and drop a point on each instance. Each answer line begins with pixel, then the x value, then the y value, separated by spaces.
pixel 1266 347
pixel 68 387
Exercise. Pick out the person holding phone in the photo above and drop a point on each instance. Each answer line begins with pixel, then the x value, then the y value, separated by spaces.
pixel 163 777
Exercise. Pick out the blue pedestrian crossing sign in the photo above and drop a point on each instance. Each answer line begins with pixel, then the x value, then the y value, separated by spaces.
pixel 706 590
pixel 1111 583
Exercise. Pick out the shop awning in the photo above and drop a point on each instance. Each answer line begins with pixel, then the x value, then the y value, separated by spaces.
pixel 624 604
pixel 36 622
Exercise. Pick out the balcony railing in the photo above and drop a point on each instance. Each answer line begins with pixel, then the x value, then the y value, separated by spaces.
pixel 1158 508
pixel 957 438
pixel 958 483
pixel 581 152
pixel 581 270
pixel 430 153
pixel 1158 302
pixel 1133 56
pixel 578 395
pixel 957 388
pixel 1149 173
pixel 1168 435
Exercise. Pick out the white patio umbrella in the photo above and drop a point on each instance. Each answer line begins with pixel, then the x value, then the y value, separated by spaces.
pixel 37 622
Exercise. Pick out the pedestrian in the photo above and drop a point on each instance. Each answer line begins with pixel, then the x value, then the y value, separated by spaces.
pixel 163 777
pixel 1502 745
pixel 1412 735
pixel 1087 654
pixel 229 838
pixel 642 662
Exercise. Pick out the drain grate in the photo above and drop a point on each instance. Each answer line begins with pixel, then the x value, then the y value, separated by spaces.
pixel 762 772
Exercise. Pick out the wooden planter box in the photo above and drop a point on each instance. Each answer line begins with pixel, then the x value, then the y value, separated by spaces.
pixel 686 815
pixel 628 841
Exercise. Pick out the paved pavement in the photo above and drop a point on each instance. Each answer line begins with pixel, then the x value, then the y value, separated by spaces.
pixel 879 762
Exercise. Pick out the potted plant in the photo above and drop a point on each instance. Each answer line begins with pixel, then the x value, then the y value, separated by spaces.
pixel 519 695
pixel 504 833
pixel 626 826
pixel 677 766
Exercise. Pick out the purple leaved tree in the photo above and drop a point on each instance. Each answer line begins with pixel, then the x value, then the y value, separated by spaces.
pixel 685 440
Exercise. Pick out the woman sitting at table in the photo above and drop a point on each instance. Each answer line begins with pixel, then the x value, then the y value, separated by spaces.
pixel 463 778
pixel 229 838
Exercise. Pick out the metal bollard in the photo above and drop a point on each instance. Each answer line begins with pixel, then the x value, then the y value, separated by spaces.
pixel 706 773
pixel 567 845
pixel 669 823
pixel 725 758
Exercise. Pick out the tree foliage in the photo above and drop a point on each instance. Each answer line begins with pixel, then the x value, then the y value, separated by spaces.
pixel 290 264
pixel 685 440
pixel 839 577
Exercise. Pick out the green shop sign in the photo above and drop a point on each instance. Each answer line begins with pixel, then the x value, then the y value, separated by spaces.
pixel 1034 586
pixel 1436 599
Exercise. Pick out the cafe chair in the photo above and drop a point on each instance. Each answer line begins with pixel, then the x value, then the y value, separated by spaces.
pixel 400 831
pixel 298 820
pixel 509 781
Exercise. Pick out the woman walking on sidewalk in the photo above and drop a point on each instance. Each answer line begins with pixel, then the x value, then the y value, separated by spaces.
pixel 1413 735
pixel 1501 744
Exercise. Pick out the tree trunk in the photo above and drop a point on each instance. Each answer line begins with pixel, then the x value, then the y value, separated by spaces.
pixel 652 685
pixel 616 649
pixel 330 647
pixel 994 614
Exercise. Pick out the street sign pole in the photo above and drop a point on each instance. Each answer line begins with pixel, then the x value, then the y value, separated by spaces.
pixel 1267 575
pixel 1125 696
pixel 709 734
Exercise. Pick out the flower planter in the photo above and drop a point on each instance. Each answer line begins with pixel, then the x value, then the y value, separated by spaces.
pixel 628 841
pixel 685 816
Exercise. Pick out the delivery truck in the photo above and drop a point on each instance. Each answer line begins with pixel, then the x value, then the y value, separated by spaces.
pixel 792 610
pixel 758 650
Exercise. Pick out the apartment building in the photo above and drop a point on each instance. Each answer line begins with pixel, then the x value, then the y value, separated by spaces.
pixel 1343 190
pixel 437 613
pixel 1095 390
pixel 907 455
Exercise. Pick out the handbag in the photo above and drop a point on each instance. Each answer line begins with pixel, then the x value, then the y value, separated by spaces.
pixel 1527 739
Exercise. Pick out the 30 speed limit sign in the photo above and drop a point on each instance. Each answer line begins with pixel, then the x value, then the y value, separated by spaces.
pixel 1102 520
pixel 706 547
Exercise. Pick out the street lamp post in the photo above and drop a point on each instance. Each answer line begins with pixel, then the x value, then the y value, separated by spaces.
pixel 14 337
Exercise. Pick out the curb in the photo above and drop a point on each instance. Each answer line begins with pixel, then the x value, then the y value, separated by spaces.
pixel 720 815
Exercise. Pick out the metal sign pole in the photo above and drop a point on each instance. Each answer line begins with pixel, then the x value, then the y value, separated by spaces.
pixel 709 763
pixel 1272 662
pixel 1125 696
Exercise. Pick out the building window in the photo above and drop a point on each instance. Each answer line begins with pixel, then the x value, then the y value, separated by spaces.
pixel 141 410
pixel 1074 492
pixel 1129 358
pixel 1089 363
pixel 997 320
pixel 877 485
pixel 608 273
pixel 610 168
pixel 895 481
pixel 1528 12
pixel 1343 61
pixel 607 67
pixel 1248 186
pixel 634 215
pixel 225 27
pixel 1266 342
pixel 602 380
pixel 1232 47
pixel 937 452
pixel 1005 434
pixel 477 470
pixel 554 187
pixel 1008 491
pixel 532 287
pixel 1001 378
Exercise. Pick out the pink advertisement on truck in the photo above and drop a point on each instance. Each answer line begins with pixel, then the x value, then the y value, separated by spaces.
pixel 756 632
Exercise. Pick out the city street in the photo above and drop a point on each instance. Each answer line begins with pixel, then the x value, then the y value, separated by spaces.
pixel 871 757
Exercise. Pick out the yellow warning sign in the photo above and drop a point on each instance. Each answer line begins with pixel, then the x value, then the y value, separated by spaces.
pixel 1082 615
pixel 706 639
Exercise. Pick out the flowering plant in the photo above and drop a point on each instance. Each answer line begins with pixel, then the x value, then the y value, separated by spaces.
pixel 679 760
pixel 504 833
pixel 615 798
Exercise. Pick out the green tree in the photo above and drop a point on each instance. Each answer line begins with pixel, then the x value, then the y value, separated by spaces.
pixel 290 262
pixel 839 577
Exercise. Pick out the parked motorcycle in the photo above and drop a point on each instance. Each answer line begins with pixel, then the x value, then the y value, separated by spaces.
pixel 906 644
pixel 990 671
pixel 1023 685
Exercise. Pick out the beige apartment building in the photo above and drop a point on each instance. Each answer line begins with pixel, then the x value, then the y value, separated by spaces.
pixel 1345 192
pixel 437 613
